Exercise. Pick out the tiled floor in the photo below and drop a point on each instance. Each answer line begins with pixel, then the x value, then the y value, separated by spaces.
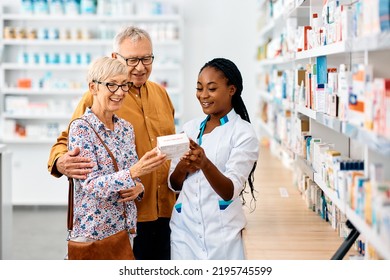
pixel 39 233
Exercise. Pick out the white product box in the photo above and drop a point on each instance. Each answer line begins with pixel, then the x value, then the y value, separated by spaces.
pixel 174 145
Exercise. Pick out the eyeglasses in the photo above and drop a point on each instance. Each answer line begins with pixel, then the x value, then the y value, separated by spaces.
pixel 112 87
pixel 133 61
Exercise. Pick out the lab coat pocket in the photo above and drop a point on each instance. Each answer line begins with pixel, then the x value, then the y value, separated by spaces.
pixel 178 207
pixel 232 215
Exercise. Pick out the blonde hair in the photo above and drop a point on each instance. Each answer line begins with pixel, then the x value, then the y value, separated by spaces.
pixel 104 67
pixel 132 32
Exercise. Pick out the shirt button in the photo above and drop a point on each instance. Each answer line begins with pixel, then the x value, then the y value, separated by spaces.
pixel 200 236
pixel 196 209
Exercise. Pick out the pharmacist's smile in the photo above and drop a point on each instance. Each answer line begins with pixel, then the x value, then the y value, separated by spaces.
pixel 206 104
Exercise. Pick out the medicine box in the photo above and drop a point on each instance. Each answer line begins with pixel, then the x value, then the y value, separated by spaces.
pixel 174 146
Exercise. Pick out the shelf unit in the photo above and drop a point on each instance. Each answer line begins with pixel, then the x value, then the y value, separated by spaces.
pixel 351 140
pixel 43 67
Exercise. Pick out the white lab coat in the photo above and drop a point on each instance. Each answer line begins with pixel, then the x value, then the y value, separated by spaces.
pixel 202 226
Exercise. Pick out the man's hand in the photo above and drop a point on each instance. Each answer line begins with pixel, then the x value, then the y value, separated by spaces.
pixel 74 166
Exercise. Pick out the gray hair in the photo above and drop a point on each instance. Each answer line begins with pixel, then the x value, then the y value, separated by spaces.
pixel 132 32
pixel 104 67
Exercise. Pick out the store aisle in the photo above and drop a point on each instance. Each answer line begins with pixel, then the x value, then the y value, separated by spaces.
pixel 282 228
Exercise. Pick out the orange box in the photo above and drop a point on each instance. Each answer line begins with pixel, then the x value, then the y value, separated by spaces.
pixel 24 83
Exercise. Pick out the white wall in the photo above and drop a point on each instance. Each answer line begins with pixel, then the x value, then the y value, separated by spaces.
pixel 218 28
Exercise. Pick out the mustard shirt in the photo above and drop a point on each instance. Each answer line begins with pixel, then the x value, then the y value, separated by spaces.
pixel 152 114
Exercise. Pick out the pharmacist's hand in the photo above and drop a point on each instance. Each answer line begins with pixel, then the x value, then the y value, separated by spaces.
pixel 73 165
pixel 149 162
pixel 195 157
pixel 186 166
pixel 132 193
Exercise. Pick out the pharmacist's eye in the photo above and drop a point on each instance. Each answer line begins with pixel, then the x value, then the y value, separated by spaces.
pixel 212 89
pixel 198 89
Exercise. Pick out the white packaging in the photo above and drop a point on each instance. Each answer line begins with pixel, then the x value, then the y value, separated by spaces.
pixel 174 146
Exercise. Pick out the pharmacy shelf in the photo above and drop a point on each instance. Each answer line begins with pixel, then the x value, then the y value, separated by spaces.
pixel 89 42
pixel 374 141
pixel 282 103
pixel 275 61
pixel 28 140
pixel 291 10
pixel 336 48
pixel 307 112
pixel 367 47
pixel 305 166
pixel 329 121
pixel 266 96
pixel 56 67
pixel 364 229
pixel 39 42
pixel 368 43
pixel 330 193
pixel 372 42
pixel 43 116
pixel 92 18
pixel 369 233
pixel 33 91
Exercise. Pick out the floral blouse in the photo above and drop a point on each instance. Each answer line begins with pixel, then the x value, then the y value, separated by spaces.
pixel 97 212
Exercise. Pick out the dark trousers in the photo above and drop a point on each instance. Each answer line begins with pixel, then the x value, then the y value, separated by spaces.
pixel 153 240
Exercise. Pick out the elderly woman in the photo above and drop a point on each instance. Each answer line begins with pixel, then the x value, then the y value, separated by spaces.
pixel 98 208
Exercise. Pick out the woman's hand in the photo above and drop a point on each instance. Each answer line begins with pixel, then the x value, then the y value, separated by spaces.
pixel 195 158
pixel 148 163
pixel 132 193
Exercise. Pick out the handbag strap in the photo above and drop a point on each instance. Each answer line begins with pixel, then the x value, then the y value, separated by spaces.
pixel 71 183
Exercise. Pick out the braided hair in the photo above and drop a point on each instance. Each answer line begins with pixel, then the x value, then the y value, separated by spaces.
pixel 233 75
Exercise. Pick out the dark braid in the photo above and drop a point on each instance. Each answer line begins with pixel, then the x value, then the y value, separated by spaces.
pixel 233 75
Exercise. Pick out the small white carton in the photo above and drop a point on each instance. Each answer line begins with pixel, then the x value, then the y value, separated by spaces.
pixel 174 146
